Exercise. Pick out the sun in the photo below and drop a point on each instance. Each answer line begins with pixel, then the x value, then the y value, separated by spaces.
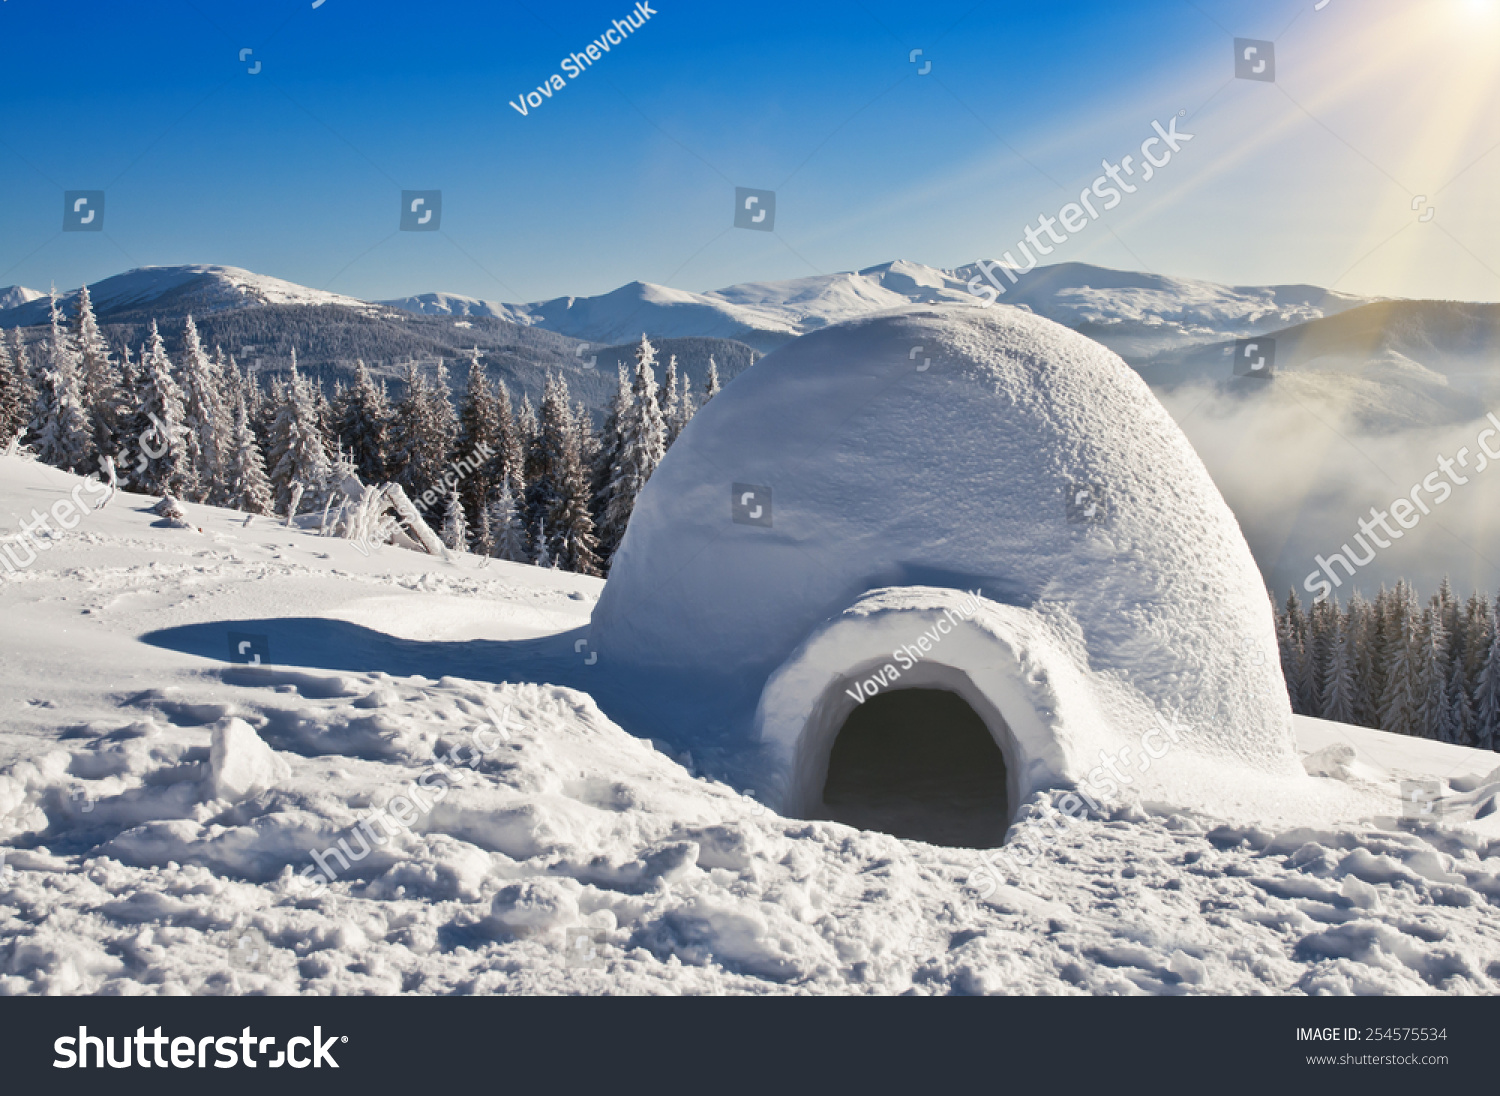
pixel 1479 11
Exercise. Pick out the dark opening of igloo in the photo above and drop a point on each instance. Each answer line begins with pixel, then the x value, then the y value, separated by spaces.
pixel 919 764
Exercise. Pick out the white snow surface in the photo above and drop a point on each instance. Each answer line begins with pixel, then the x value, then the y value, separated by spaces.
pixel 580 859
pixel 936 448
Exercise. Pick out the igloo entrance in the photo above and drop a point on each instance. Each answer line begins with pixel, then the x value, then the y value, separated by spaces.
pixel 919 763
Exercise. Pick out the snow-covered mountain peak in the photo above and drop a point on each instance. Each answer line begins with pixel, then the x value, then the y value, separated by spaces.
pixel 198 288
pixel 13 296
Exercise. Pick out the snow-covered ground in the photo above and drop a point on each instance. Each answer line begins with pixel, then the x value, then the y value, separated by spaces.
pixel 153 844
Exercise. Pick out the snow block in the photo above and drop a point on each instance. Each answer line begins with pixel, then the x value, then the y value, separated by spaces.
pixel 983 467
pixel 240 763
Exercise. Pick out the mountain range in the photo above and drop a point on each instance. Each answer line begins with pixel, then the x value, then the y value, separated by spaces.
pixel 1359 396
pixel 1390 364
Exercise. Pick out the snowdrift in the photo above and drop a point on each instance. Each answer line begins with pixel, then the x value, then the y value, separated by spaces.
pixel 809 541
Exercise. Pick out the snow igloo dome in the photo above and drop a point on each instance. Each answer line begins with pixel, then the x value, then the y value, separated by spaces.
pixel 911 568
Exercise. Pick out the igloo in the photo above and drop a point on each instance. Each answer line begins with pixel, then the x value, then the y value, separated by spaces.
pixel 909 569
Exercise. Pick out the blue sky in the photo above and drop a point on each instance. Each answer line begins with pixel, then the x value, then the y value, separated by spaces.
pixel 628 173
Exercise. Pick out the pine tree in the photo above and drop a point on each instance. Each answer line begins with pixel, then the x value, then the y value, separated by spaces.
pixel 1359 622
pixel 711 386
pixel 510 453
pixel 1457 725
pixel 1448 610
pixel 541 554
pixel 299 462
pixel 642 443
pixel 478 433
pixel 1322 626
pixel 560 494
pixel 1431 685
pixel 61 426
pixel 1487 695
pixel 208 424
pixel 455 526
pixel 529 435
pixel 507 529
pixel 1398 700
pixel 605 463
pixel 364 422
pixel 16 398
pixel 231 383
pixel 248 487
pixel 1338 685
pixel 422 440
pixel 482 541
pixel 1476 639
pixel 264 408
pixel 671 402
pixel 103 397
pixel 158 453
pixel 588 449
pixel 1292 641
pixel 685 412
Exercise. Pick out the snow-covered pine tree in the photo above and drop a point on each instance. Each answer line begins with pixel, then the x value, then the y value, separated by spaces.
pixel 686 409
pixel 364 422
pixel 422 440
pixel 231 383
pixel 1431 678
pixel 444 417
pixel 19 353
pixel 588 449
pixel 64 438
pixel 299 462
pixel 249 488
pixel 671 402
pixel 1476 639
pixel 1448 610
pixel 711 385
pixel 541 554
pixel 208 422
pixel 1487 696
pixel 560 495
pixel 130 412
pixel 1398 698
pixel 1291 627
pixel 1457 725
pixel 478 433
pixel 455 525
pixel 529 433
pixel 510 454
pixel 605 463
pixel 16 398
pixel 482 539
pixel 1359 623
pixel 99 376
pixel 327 426
pixel 506 528
pixel 1322 626
pixel 1338 683
pixel 643 442
pixel 155 439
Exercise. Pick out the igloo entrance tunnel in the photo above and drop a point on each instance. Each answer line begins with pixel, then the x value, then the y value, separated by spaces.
pixel 905 531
